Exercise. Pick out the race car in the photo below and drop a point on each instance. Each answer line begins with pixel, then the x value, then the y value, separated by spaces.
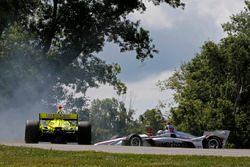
pixel 165 138
pixel 58 128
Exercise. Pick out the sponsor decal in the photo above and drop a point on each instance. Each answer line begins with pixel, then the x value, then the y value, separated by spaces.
pixel 57 116
pixel 173 144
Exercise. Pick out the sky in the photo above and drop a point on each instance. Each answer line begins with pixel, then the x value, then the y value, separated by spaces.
pixel 178 35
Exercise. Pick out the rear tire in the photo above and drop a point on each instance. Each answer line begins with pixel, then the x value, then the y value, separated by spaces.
pixel 212 142
pixel 84 133
pixel 32 132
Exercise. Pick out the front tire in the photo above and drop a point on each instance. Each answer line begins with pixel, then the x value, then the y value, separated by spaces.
pixel 84 133
pixel 134 140
pixel 32 132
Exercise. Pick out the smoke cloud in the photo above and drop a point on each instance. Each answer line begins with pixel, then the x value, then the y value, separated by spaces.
pixel 25 104
pixel 24 83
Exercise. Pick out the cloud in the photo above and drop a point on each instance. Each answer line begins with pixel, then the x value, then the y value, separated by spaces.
pixel 219 11
pixel 155 17
pixel 178 35
pixel 144 94
pixel 163 17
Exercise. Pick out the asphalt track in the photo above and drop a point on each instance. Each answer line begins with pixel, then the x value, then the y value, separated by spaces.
pixel 136 150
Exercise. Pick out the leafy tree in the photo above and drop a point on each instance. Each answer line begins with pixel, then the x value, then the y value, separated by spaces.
pixel 212 90
pixel 64 38
pixel 11 11
pixel 27 76
pixel 151 118
pixel 109 117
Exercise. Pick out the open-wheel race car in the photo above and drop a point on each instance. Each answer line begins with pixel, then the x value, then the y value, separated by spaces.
pixel 58 128
pixel 165 138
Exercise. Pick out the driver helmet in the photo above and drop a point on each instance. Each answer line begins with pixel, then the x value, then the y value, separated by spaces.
pixel 170 127
pixel 59 107
pixel 159 132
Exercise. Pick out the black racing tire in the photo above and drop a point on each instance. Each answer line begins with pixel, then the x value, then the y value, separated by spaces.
pixel 212 142
pixel 84 133
pixel 32 132
pixel 134 140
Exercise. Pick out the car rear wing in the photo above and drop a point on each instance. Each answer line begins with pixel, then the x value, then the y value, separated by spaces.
pixel 51 116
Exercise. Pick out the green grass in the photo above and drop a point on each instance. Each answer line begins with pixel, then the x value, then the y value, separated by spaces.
pixel 21 156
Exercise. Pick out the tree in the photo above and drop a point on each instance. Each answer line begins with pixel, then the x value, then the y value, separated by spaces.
pixel 212 90
pixel 63 38
pixel 109 117
pixel 12 11
pixel 152 118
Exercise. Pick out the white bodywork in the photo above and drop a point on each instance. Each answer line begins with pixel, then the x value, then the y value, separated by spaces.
pixel 165 138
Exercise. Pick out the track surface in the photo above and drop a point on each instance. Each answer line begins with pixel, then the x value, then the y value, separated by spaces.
pixel 136 150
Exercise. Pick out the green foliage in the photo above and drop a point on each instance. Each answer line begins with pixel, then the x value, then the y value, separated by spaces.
pixel 12 11
pixel 109 118
pixel 212 90
pixel 151 118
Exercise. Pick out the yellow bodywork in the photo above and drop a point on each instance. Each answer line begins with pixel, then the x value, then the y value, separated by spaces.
pixel 50 121
pixel 46 116
pixel 59 123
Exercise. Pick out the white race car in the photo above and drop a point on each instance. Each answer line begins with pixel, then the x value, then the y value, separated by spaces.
pixel 164 138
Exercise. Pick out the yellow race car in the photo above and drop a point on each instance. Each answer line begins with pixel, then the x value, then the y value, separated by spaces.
pixel 58 128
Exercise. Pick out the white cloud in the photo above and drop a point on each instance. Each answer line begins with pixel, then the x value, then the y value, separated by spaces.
pixel 155 17
pixel 219 11
pixel 144 93
pixel 163 17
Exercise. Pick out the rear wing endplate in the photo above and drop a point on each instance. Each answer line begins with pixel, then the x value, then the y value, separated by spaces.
pixel 51 116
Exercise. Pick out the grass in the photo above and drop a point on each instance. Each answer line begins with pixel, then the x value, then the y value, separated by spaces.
pixel 21 156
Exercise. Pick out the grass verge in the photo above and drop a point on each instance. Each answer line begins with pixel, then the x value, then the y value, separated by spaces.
pixel 21 156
